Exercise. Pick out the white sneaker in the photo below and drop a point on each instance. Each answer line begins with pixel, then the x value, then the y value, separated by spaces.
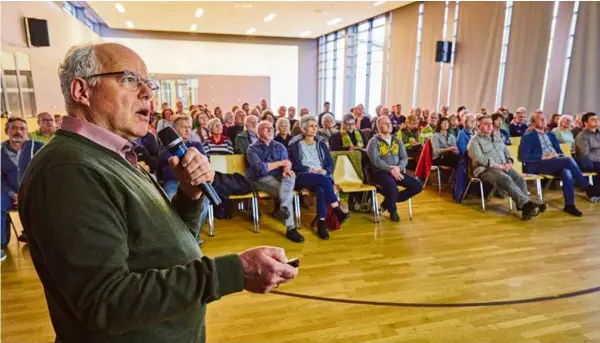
pixel 3 256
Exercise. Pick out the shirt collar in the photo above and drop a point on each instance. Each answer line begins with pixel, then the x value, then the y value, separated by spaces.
pixel 101 136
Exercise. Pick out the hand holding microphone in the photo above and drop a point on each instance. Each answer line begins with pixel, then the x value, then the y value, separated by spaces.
pixel 191 168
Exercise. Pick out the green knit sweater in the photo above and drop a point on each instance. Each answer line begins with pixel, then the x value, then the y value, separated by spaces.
pixel 118 262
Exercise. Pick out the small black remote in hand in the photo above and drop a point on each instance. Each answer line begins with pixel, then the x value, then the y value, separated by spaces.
pixel 295 262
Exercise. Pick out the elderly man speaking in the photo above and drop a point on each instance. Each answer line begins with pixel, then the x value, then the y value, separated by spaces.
pixel 118 261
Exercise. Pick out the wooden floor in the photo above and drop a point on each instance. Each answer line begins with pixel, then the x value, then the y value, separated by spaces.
pixel 450 253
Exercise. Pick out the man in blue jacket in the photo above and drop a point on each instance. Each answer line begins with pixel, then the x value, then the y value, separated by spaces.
pixel 541 154
pixel 17 152
pixel 271 171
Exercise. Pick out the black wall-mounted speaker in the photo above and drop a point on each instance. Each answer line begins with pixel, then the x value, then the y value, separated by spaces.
pixel 37 32
pixel 443 51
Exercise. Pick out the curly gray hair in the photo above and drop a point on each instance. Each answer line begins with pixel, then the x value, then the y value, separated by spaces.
pixel 80 61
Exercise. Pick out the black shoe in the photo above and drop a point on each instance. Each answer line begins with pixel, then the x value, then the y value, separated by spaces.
pixel 395 217
pixel 282 213
pixel 22 238
pixel 341 215
pixel 383 207
pixel 530 210
pixel 592 192
pixel 571 209
pixel 294 236
pixel 322 229
pixel 543 207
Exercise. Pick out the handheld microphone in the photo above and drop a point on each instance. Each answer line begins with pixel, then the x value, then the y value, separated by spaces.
pixel 174 144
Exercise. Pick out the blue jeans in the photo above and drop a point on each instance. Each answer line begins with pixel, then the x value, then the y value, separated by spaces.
pixel 569 173
pixel 7 205
pixel 320 184
pixel 389 188
pixel 590 166
pixel 170 188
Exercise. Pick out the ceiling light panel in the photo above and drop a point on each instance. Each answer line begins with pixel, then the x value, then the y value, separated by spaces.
pixel 199 12
pixel 129 24
pixel 270 16
pixel 334 21
pixel 251 30
pixel 120 8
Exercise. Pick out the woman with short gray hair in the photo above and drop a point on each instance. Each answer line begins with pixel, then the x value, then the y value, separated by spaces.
pixel 328 130
pixel 217 143
pixel 563 130
pixel 313 165
pixel 283 132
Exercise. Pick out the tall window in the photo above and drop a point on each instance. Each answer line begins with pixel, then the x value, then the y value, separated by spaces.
pixel 569 51
pixel 377 64
pixel 504 52
pixel 18 96
pixel 361 63
pixel 331 70
pixel 338 99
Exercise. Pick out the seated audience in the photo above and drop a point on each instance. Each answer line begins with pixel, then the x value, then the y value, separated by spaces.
pixel 519 126
pixel 362 120
pixel 217 143
pixel 281 112
pixel 349 137
pixel 541 154
pixel 238 126
pixel 499 133
pixel 313 165
pixel 578 125
pixel 326 110
pixel 165 120
pixel 553 122
pixel 388 158
pixel 428 131
pixel 164 173
pixel 283 131
pixel 268 116
pixel 245 108
pixel 381 111
pixel 492 163
pixel 466 133
pixel 291 116
pixel 397 118
pixel 47 126
pixel 563 131
pixel 248 136
pixel 409 135
pixel 263 104
pixel 328 129
pixel 271 171
pixel 17 152
pixel 58 119
pixel 443 145
pixel 454 129
pixel 423 119
pixel 588 146
pixel 228 120
pixel 444 111
pixel 201 132
pixel 179 106
pixel 147 151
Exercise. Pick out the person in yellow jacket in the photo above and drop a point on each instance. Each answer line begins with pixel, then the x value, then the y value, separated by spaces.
pixel 47 127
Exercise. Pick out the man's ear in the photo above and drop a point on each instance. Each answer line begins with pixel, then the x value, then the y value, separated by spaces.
pixel 80 91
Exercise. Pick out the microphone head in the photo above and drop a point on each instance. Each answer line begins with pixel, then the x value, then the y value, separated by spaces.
pixel 168 137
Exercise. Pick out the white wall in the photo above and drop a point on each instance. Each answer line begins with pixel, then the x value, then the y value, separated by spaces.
pixel 279 62
pixel 64 31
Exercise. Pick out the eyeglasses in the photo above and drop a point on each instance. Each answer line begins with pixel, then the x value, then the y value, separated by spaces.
pixel 130 80
pixel 349 123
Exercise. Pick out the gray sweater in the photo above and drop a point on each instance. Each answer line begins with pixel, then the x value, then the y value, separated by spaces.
pixel 588 145
pixel 484 151
pixel 439 141
pixel 384 156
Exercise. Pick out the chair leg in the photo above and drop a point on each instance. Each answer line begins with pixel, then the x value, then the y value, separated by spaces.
pixel 298 212
pixel 482 196
pixel 375 206
pixel 591 180
pixel 410 208
pixel 439 175
pixel 511 204
pixel 14 227
pixel 538 184
pixel 464 195
pixel 211 221
pixel 254 204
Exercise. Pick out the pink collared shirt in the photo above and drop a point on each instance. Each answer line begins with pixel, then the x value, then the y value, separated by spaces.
pixel 102 137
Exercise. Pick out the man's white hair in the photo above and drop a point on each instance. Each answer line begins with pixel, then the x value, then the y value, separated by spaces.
pixel 262 123
pixel 80 61
pixel 521 110
pixel 247 118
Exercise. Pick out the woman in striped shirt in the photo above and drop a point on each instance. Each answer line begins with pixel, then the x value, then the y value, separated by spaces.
pixel 217 143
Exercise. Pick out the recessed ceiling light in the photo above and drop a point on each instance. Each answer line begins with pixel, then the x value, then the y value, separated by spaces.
pixel 270 16
pixel 251 30
pixel 199 12
pixel 193 27
pixel 334 21
pixel 243 6
pixel 120 8
pixel 378 3
pixel 305 34
pixel 129 24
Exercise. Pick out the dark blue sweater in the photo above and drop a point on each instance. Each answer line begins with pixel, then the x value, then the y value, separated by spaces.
pixel 12 174
pixel 259 155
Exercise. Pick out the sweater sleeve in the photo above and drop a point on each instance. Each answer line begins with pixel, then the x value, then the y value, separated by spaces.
pixel 81 234
pixel 374 156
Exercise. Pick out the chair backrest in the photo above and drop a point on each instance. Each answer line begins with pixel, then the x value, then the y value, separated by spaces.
pixel 566 149
pixel 228 164
pixel 515 141
pixel 344 172
pixel 514 153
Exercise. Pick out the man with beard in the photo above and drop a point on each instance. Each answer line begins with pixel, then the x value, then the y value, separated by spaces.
pixel 17 152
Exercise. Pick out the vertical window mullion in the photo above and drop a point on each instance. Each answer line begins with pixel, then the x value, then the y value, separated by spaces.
pixel 503 53
pixel 440 79
pixel 418 54
pixel 368 70
pixel 568 54
pixel 454 35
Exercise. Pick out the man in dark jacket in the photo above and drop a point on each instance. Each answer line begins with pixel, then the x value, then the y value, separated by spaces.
pixel 349 137
pixel 17 152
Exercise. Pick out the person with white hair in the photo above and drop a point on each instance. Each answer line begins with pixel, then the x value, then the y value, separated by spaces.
pixel 563 130
pixel 283 131
pixel 579 127
pixel 271 171
pixel 248 136
pixel 313 165
pixel 217 143
pixel 328 129
pixel 519 125
pixel 464 136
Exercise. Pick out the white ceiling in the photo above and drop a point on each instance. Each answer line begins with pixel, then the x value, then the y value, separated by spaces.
pixel 293 18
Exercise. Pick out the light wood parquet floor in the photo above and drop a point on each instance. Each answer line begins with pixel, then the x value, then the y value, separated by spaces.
pixel 450 253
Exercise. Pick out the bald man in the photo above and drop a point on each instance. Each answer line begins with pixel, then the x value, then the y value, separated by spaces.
pixel 117 259
pixel 540 153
